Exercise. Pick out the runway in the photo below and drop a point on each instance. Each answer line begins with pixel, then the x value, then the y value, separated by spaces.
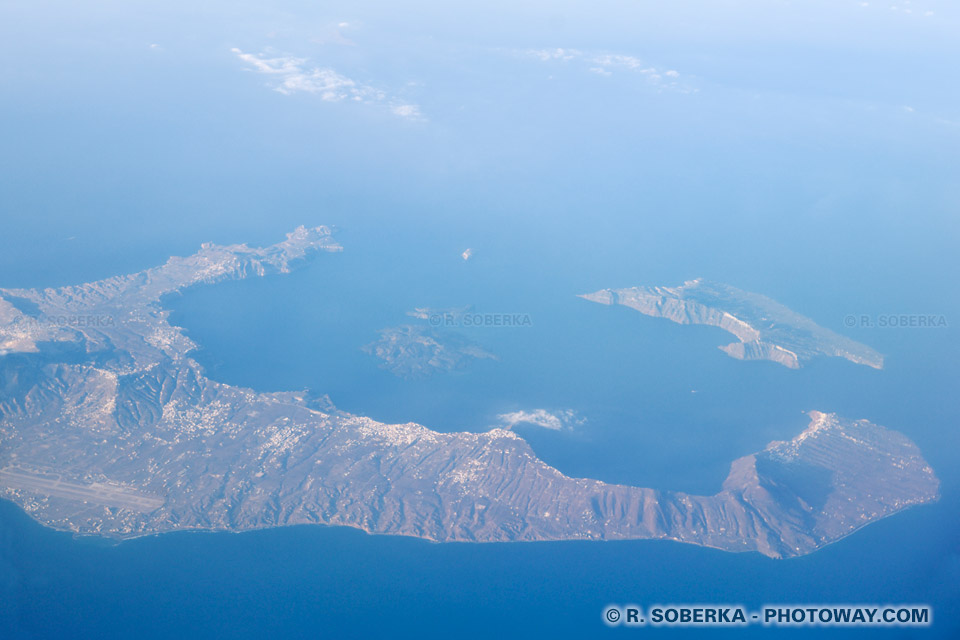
pixel 50 484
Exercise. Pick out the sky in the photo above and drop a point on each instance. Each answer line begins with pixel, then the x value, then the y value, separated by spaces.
pixel 133 116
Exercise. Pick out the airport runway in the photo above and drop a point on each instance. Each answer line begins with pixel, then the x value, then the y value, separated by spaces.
pixel 50 484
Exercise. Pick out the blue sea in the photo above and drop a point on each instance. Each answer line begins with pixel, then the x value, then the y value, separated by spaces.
pixel 807 153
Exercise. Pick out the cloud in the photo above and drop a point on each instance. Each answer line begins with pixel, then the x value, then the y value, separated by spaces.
pixel 607 64
pixel 295 75
pixel 620 60
pixel 407 111
pixel 908 8
pixel 565 419
pixel 554 54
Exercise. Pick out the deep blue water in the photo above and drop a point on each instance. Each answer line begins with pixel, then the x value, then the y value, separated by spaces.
pixel 313 582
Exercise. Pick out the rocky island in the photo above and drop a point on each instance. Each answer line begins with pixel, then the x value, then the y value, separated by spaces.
pixel 412 351
pixel 764 328
pixel 109 427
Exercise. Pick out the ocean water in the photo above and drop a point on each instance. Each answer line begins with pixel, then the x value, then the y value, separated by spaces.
pixel 308 582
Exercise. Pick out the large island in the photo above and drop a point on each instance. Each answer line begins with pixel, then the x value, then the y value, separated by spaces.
pixel 109 427
pixel 764 328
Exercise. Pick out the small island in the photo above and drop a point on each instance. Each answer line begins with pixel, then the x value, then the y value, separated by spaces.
pixel 414 351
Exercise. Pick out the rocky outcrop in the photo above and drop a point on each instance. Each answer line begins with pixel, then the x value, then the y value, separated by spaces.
pixel 411 351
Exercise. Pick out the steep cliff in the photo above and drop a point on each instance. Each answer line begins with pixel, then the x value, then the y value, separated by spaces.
pixel 764 328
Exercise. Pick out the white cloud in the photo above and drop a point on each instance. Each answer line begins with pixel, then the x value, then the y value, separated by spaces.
pixel 606 64
pixel 556 421
pixel 406 111
pixel 619 60
pixel 293 75
pixel 554 54
pixel 904 7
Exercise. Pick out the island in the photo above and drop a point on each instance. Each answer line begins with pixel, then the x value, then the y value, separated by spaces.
pixel 764 328
pixel 414 351
pixel 109 427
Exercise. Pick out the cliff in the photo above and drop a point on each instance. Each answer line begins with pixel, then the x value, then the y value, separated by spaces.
pixel 764 328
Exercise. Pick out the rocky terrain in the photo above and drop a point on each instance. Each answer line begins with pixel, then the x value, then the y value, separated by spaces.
pixel 109 427
pixel 764 328
pixel 412 351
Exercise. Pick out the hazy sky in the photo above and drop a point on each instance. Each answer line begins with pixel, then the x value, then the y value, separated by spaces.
pixel 761 123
